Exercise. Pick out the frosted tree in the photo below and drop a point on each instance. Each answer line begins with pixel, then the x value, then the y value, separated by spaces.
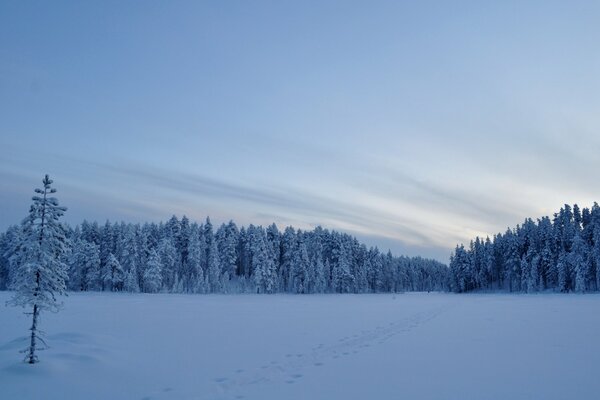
pixel 580 261
pixel 377 263
pixel 563 273
pixel 459 265
pixel 213 265
pixel 130 260
pixel 227 239
pixel 4 263
pixel 11 252
pixel 40 275
pixel 299 282
pixel 214 268
pixel 342 279
pixel 131 281
pixel 85 266
pixel 287 244
pixel 169 259
pixel 320 284
pixel 153 273
pixel 534 283
pixel 263 267
pixel 596 255
pixel 114 276
pixel 194 263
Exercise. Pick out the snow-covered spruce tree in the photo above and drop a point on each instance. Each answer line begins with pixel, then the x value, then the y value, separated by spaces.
pixel 153 273
pixel 40 275
pixel 84 266
pixel 114 276
pixel 299 270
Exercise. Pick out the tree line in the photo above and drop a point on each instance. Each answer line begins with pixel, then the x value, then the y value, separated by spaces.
pixel 560 254
pixel 180 256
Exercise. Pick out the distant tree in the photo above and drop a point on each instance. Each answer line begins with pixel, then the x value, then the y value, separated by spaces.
pixel 213 264
pixel 299 281
pixel 580 261
pixel 169 259
pixel 153 273
pixel 131 283
pixel 114 276
pixel 227 242
pixel 264 272
pixel 84 266
pixel 41 273
pixel 460 267
pixel 342 279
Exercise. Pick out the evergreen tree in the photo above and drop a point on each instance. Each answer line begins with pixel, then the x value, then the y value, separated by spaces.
pixel 263 268
pixel 299 282
pixel 170 260
pixel 580 261
pixel 227 241
pixel 563 273
pixel 342 279
pixel 320 283
pixel 41 273
pixel 194 263
pixel 114 276
pixel 214 268
pixel 85 266
pixel 131 283
pixel 153 273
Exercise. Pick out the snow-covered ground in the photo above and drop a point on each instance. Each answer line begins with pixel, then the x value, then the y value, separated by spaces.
pixel 411 346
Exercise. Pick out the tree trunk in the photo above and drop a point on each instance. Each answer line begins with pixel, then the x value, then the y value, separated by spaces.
pixel 31 357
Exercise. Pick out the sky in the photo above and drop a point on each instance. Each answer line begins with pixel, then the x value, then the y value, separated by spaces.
pixel 412 125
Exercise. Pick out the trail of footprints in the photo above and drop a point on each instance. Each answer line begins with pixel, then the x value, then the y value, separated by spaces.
pixel 289 369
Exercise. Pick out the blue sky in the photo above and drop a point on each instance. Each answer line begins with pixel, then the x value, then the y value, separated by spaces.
pixel 413 125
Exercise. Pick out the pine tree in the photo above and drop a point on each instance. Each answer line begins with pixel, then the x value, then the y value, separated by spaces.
pixel 169 261
pixel 41 273
pixel 341 275
pixel 459 265
pixel 299 270
pixel 563 273
pixel 153 273
pixel 320 284
pixel 263 268
pixel 85 266
pixel 131 281
pixel 580 261
pixel 11 252
pixel 596 255
pixel 194 262
pixel 227 242
pixel 213 264
pixel 114 276
pixel 214 268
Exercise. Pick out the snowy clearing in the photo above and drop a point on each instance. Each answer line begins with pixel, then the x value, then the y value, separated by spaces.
pixel 414 346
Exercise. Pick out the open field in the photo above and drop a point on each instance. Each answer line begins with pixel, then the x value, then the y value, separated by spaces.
pixel 413 346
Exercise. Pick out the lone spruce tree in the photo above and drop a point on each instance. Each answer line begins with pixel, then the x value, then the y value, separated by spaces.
pixel 40 274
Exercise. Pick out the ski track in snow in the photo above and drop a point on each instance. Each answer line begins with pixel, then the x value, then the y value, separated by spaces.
pixel 290 368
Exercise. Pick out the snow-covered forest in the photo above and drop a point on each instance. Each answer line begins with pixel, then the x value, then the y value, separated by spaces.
pixel 184 257
pixel 562 253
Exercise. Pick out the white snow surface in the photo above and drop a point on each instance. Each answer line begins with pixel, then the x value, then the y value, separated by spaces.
pixel 411 346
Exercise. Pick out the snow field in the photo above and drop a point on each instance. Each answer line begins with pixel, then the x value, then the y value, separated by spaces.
pixel 415 346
